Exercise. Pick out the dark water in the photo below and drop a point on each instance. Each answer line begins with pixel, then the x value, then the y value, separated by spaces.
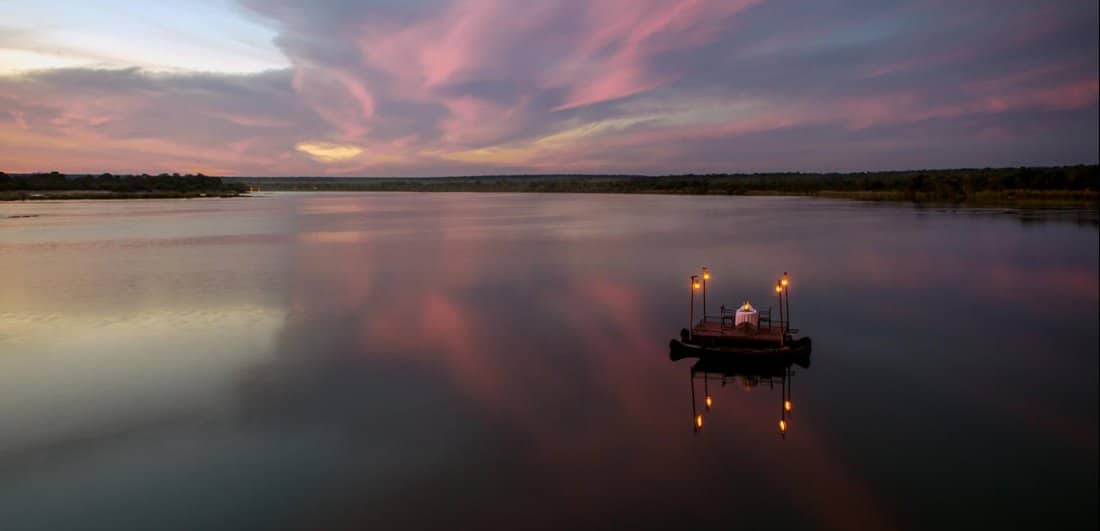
pixel 462 361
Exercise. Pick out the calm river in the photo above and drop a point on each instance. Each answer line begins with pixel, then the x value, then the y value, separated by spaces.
pixel 470 361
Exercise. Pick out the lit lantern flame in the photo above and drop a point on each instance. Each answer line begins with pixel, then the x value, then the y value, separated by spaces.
pixel 787 405
pixel 783 426
pixel 699 421
pixel 706 275
pixel 746 307
pixel 695 285
pixel 778 288
pixel 785 280
pixel 710 402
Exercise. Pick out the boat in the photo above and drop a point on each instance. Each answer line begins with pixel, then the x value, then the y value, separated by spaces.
pixel 743 333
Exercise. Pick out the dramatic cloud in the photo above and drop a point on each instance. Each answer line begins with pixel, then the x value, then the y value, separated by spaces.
pixel 652 86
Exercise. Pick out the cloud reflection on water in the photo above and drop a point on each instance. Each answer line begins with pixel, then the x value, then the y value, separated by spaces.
pixel 502 359
pixel 567 361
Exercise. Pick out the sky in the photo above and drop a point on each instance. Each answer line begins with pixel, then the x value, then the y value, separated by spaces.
pixel 469 87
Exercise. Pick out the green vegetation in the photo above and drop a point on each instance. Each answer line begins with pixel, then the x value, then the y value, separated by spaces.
pixel 55 185
pixel 1067 183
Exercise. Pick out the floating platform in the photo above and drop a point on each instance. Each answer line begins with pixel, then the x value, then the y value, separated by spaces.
pixel 740 332
pixel 714 333
pixel 719 339
pixel 794 351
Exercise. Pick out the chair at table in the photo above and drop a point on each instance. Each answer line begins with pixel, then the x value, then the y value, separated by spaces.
pixel 765 316
pixel 727 316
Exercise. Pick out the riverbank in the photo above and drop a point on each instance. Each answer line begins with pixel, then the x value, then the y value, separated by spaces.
pixel 1038 187
pixel 1008 198
pixel 52 186
pixel 1036 198
pixel 1078 184
pixel 53 195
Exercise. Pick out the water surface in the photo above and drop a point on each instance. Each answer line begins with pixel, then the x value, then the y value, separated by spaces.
pixel 498 361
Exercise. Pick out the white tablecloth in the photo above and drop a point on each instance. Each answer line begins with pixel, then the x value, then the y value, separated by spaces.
pixel 746 316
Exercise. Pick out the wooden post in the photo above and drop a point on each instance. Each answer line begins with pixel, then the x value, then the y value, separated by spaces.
pixel 788 291
pixel 779 292
pixel 787 288
pixel 691 312
pixel 706 275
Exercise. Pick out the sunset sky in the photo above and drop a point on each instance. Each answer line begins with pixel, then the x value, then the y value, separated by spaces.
pixel 456 87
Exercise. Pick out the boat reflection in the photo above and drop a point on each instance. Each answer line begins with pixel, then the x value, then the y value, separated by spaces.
pixel 749 374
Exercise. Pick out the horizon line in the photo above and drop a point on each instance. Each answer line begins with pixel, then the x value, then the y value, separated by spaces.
pixel 551 174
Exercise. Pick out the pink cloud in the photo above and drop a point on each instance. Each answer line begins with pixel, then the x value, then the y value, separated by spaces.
pixel 19 118
pixel 624 35
pixel 946 57
pixel 338 97
pixel 469 37
pixel 604 54
pixel 251 121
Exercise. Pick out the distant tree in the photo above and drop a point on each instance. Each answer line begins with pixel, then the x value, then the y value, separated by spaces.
pixel 918 183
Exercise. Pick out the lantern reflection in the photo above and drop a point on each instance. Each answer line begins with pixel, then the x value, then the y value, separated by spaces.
pixel 749 374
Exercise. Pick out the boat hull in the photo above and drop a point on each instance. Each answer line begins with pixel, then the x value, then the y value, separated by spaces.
pixel 793 351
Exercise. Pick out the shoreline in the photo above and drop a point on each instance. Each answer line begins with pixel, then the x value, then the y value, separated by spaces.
pixel 1063 184
pixel 1009 198
pixel 1026 186
pixel 66 195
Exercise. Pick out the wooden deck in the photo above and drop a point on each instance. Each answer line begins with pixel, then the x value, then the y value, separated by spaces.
pixel 711 332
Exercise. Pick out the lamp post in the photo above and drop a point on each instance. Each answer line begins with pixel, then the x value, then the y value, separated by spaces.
pixel 786 287
pixel 691 312
pixel 779 292
pixel 706 277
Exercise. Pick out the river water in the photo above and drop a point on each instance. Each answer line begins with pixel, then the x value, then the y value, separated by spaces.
pixel 499 361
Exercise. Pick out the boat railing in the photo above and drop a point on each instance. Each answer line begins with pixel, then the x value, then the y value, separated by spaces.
pixel 726 320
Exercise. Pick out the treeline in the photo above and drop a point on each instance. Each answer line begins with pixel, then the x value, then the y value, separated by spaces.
pixel 949 185
pixel 123 184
